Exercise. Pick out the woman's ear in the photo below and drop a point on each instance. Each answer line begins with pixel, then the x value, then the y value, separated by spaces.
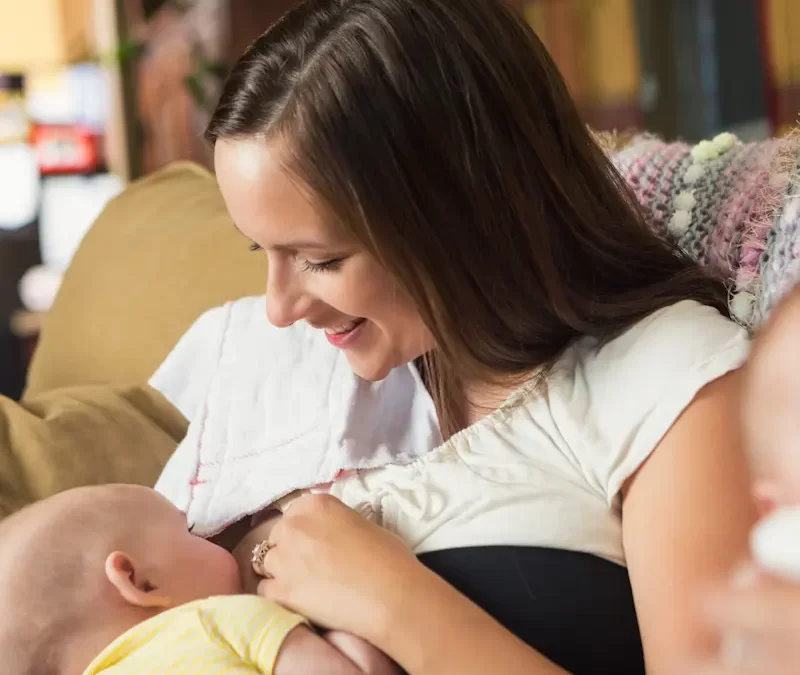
pixel 134 587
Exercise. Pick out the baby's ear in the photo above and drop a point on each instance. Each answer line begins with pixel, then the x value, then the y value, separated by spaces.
pixel 133 585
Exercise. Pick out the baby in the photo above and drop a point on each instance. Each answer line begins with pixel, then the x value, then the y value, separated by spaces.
pixel 771 428
pixel 771 425
pixel 109 580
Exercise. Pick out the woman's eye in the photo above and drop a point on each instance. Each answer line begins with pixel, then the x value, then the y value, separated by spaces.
pixel 327 266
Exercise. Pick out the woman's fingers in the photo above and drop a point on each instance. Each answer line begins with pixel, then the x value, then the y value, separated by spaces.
pixel 267 589
pixel 276 591
pixel 334 566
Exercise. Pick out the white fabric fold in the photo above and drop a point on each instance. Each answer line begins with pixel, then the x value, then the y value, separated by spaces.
pixel 276 410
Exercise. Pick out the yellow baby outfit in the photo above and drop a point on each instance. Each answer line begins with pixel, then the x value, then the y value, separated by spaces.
pixel 228 635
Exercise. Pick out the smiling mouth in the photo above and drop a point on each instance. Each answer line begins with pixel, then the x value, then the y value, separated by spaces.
pixel 344 328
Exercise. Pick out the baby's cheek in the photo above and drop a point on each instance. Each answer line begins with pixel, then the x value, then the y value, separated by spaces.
pixel 216 569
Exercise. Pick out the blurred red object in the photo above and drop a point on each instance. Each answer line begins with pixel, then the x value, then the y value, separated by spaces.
pixel 64 149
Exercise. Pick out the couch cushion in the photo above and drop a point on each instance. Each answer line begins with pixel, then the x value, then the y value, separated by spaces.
pixel 83 436
pixel 160 254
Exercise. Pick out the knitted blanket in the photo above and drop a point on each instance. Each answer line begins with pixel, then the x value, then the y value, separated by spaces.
pixel 733 206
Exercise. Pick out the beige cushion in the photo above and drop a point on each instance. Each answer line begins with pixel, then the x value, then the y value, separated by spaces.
pixel 161 253
pixel 81 436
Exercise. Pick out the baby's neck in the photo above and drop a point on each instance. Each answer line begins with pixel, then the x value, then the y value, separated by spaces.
pixel 97 634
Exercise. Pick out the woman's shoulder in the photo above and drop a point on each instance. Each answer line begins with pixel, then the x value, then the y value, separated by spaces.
pixel 620 397
pixel 681 335
pixel 674 347
pixel 670 354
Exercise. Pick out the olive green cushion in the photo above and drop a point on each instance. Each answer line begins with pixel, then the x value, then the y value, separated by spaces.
pixel 160 254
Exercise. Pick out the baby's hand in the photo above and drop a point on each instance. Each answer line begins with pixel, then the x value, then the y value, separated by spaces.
pixel 305 652
pixel 370 660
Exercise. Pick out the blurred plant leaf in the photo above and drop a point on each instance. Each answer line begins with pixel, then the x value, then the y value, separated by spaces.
pixel 128 51
pixel 196 90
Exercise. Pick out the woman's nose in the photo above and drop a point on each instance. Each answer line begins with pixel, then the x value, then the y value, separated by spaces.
pixel 287 301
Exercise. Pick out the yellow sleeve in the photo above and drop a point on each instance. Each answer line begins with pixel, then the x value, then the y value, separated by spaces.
pixel 253 628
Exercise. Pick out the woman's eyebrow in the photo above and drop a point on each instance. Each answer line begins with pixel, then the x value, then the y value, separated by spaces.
pixel 294 246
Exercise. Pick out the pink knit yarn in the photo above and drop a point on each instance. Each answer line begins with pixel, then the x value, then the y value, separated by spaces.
pixel 732 204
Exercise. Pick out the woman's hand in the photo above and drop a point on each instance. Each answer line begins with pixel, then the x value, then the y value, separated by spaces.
pixel 765 617
pixel 343 572
pixel 243 551
pixel 336 568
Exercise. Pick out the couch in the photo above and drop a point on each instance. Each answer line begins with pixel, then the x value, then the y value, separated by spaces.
pixel 165 250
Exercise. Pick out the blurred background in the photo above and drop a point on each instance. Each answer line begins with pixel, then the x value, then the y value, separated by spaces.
pixel 96 93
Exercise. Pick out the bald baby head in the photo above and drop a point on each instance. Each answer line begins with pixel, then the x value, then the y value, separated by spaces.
pixel 79 569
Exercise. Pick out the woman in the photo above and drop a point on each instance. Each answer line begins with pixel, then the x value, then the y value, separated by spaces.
pixel 425 191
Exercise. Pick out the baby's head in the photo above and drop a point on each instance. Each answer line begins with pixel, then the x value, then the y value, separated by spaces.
pixel 771 407
pixel 79 569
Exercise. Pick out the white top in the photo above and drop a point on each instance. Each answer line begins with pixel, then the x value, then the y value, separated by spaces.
pixel 546 469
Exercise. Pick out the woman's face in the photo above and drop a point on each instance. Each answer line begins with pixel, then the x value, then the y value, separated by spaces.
pixel 316 273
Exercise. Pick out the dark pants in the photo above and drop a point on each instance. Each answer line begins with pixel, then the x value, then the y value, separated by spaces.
pixel 576 609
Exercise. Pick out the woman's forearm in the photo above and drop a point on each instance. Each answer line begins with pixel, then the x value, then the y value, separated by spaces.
pixel 434 630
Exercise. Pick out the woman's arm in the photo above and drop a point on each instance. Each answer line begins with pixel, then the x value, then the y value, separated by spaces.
pixel 431 629
pixel 686 517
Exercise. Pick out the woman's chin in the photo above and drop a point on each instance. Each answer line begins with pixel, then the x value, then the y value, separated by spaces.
pixel 368 369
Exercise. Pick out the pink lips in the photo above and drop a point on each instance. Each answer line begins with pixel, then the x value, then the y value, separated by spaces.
pixel 343 340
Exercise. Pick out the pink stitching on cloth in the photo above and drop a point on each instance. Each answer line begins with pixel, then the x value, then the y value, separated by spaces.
pixel 196 481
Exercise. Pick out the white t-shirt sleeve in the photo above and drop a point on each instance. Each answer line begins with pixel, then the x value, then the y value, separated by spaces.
pixel 638 384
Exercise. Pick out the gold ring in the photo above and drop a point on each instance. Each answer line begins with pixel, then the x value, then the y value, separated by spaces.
pixel 259 555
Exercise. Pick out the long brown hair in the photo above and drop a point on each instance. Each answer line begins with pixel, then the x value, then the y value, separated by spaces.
pixel 440 133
